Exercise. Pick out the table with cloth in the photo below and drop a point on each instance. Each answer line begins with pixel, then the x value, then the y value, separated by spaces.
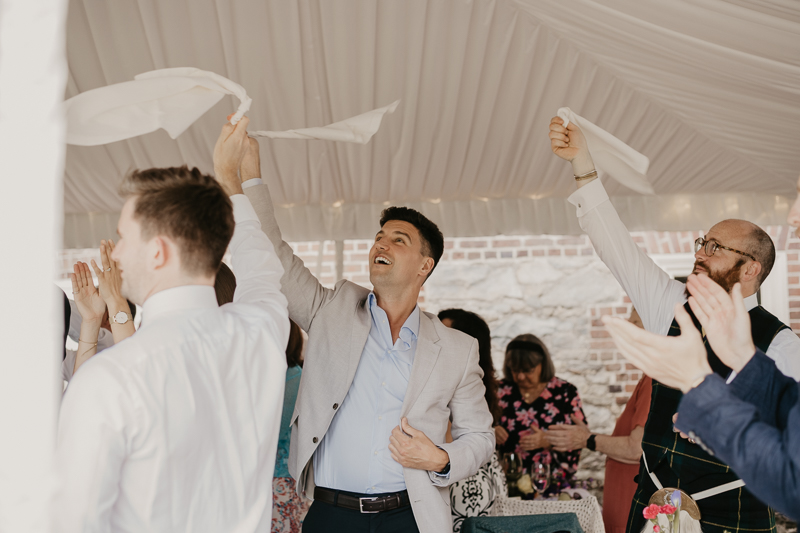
pixel 523 524
pixel 587 510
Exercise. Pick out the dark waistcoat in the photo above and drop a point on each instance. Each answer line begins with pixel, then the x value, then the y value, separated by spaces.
pixel 681 464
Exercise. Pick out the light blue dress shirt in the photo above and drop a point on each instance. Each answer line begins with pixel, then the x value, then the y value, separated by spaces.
pixel 354 455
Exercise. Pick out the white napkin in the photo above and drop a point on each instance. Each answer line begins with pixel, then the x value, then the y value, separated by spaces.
pixel 173 99
pixel 612 156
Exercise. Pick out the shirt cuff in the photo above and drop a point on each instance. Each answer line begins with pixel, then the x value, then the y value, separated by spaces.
pixel 242 208
pixel 588 197
pixel 251 183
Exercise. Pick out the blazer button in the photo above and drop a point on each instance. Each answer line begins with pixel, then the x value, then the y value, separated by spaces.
pixel 314 440
pixel 335 406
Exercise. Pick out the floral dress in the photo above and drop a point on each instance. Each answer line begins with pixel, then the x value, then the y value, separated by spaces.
pixel 554 405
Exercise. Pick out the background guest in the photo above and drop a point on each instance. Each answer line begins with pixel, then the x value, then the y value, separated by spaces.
pixel 532 398
pixel 288 508
pixel 96 307
pixel 623 448
pixel 475 495
pixel 224 284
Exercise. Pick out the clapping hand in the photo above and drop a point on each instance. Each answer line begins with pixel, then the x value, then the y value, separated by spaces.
pixel 500 435
pixel 109 279
pixel 680 362
pixel 90 304
pixel 568 437
pixel 724 319
pixel 535 440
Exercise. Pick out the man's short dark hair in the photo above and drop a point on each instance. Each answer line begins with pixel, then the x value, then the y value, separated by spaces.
pixel 763 249
pixel 432 238
pixel 187 206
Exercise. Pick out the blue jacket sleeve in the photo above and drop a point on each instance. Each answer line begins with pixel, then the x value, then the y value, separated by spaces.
pixel 763 385
pixel 766 457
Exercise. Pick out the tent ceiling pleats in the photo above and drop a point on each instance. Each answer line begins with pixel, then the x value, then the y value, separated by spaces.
pixel 709 90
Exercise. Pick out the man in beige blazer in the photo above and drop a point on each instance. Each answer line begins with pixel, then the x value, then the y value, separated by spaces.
pixel 380 382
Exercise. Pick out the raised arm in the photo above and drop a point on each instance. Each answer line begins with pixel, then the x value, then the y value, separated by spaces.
pixel 651 290
pixel 305 293
pixel 257 269
pixel 91 308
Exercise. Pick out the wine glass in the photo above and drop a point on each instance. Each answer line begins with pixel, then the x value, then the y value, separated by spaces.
pixel 540 477
pixel 512 465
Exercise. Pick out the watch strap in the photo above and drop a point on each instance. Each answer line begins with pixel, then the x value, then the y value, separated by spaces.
pixel 591 444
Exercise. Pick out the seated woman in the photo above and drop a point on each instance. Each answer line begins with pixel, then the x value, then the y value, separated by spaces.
pixel 532 398
pixel 475 495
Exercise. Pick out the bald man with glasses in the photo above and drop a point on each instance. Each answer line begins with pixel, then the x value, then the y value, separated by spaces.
pixel 733 251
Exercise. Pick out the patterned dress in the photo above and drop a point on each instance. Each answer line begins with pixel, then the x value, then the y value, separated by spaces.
pixel 554 405
pixel 288 509
pixel 475 495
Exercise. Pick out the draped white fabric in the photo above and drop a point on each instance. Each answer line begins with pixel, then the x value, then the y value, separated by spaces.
pixel 708 90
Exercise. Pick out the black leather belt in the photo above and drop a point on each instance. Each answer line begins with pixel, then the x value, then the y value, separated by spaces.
pixel 364 503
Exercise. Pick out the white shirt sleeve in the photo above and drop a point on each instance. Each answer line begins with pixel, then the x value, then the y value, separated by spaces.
pixel 653 292
pixel 785 351
pixel 94 423
pixel 257 269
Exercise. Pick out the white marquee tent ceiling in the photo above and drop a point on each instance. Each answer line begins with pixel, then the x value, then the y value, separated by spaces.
pixel 709 90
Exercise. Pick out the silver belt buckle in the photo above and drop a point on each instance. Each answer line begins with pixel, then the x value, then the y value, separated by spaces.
pixel 361 505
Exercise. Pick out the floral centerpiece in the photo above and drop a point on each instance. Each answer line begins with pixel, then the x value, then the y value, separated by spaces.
pixel 671 511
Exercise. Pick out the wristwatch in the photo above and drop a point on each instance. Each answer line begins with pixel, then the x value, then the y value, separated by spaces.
pixel 590 443
pixel 121 318
pixel 444 471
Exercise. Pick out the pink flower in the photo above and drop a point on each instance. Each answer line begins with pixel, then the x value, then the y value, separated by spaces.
pixel 517 404
pixel 546 395
pixel 656 529
pixel 504 391
pixel 651 511
pixel 502 404
pixel 668 509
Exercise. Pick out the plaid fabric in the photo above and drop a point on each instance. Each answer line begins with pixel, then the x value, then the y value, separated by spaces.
pixel 678 463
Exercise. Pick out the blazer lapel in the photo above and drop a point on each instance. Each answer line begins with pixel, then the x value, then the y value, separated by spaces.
pixel 424 360
pixel 358 339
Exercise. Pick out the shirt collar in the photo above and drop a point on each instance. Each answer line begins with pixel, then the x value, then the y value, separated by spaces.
pixel 410 330
pixel 178 299
pixel 750 302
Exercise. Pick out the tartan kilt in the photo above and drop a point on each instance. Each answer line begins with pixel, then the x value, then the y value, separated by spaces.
pixel 736 510
pixel 678 463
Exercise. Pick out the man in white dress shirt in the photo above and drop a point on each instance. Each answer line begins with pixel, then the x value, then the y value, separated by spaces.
pixel 733 251
pixel 176 428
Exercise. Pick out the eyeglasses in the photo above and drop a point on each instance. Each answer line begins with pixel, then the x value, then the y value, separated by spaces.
pixel 712 246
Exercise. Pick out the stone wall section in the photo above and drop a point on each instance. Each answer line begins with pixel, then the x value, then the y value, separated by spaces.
pixel 553 286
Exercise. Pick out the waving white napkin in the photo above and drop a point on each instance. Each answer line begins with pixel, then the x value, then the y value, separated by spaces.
pixel 612 156
pixel 173 99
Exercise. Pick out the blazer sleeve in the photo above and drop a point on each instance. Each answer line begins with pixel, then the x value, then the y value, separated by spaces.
pixel 473 436
pixel 305 293
pixel 762 384
pixel 765 457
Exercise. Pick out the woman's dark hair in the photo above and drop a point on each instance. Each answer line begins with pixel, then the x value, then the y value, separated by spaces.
pixel 526 352
pixel 474 326
pixel 294 348
pixel 224 284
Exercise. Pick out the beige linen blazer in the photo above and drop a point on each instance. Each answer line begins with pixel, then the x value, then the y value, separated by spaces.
pixel 445 383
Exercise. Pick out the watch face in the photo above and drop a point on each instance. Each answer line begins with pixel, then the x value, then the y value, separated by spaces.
pixel 121 317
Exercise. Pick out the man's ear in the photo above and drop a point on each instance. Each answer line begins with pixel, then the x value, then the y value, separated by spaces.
pixel 752 271
pixel 427 266
pixel 159 252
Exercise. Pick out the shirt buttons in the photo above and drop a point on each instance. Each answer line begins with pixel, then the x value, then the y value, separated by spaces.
pixel 314 440
pixel 380 418
pixel 383 384
pixel 335 406
pixel 376 453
